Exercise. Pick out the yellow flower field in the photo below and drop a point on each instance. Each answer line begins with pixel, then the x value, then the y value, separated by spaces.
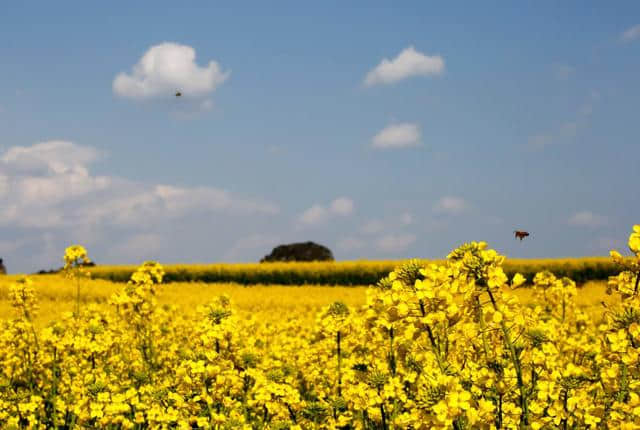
pixel 453 346
pixel 56 295
pixel 361 272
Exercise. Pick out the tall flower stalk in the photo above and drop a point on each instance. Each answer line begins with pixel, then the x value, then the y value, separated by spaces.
pixel 75 259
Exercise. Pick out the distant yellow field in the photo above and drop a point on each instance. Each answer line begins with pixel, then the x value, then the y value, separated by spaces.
pixel 360 272
pixel 56 295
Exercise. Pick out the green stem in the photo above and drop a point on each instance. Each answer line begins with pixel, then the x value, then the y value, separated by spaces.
pixel 565 420
pixel 434 344
pixel 384 417
pixel 54 387
pixel 338 338
pixel 499 417
pixel 524 418
pixel 483 327
pixel 77 294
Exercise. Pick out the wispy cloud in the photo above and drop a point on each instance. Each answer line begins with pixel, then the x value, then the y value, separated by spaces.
pixel 318 214
pixel 587 219
pixel 451 205
pixel 567 131
pixel 372 227
pixel 631 34
pixel 407 64
pixel 395 243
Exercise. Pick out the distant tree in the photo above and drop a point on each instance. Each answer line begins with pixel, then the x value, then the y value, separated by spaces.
pixel 305 251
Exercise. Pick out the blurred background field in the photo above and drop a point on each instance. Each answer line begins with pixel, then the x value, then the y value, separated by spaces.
pixel 350 273
pixel 56 295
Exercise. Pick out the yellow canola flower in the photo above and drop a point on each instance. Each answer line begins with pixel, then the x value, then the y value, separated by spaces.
pixel 634 240
pixel 432 346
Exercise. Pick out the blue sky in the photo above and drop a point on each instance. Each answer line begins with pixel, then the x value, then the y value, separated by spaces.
pixel 380 130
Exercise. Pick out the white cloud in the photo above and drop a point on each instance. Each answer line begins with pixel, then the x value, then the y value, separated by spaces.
pixel 49 185
pixel 372 227
pixel 53 157
pixel 587 219
pixel 342 206
pixel 451 205
pixel 630 34
pixel 168 67
pixel 169 202
pixel 318 214
pixel 314 215
pixel 394 243
pixel 400 135
pixel 407 64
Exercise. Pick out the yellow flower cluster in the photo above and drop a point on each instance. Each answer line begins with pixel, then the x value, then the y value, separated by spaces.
pixel 436 346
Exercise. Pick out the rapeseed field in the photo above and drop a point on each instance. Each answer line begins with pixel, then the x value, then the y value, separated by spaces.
pixel 457 345
pixel 349 272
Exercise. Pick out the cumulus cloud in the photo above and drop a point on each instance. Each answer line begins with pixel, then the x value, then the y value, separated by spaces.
pixel 50 198
pixel 50 157
pixel 407 64
pixel 631 34
pixel 451 205
pixel 168 67
pixel 342 206
pixel 49 185
pixel 400 135
pixel 587 219
pixel 394 243
pixel 318 214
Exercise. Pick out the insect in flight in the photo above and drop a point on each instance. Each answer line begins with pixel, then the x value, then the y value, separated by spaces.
pixel 178 94
pixel 521 234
